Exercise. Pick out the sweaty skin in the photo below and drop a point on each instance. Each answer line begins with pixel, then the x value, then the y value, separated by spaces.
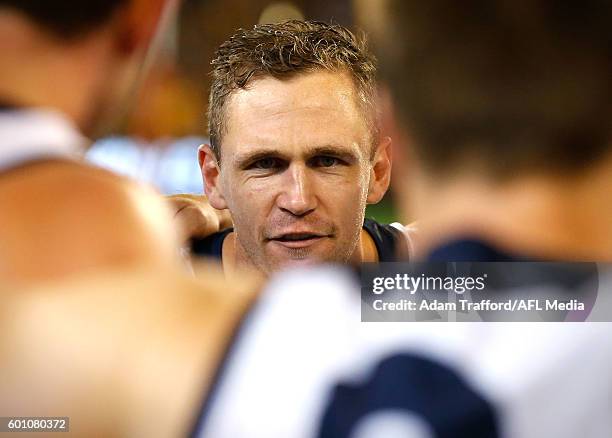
pixel 121 352
pixel 296 171
pixel 60 218
pixel 63 218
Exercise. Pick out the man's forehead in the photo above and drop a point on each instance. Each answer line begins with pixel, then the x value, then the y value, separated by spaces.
pixel 318 90
pixel 318 108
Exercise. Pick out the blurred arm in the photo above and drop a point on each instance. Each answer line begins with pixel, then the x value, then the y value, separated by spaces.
pixel 196 217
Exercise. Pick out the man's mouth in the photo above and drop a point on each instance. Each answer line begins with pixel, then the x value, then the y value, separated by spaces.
pixel 298 240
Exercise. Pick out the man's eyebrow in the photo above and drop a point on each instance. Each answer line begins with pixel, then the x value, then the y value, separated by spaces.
pixel 342 152
pixel 242 161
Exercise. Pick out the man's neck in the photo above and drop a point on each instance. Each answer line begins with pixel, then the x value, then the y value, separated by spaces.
pixel 546 218
pixel 38 70
pixel 236 260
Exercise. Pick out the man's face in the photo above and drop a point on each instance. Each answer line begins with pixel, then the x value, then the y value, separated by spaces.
pixel 295 169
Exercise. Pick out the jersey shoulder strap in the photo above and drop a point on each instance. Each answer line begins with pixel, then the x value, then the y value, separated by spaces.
pixel 210 246
pixel 391 243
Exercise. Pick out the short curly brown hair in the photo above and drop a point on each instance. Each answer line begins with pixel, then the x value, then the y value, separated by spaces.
pixel 282 50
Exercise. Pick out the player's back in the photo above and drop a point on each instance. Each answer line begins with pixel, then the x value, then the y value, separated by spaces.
pixel 120 352
pixel 305 366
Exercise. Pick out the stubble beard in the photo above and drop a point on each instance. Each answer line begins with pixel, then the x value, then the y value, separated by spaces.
pixel 340 254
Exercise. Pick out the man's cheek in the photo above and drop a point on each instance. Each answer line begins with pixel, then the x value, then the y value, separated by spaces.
pixel 248 222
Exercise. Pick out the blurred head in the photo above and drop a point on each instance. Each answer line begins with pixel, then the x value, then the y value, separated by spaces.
pixel 295 152
pixel 95 49
pixel 66 19
pixel 505 88
pixel 505 108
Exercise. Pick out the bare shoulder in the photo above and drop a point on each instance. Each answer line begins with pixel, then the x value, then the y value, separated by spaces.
pixel 138 341
pixel 69 216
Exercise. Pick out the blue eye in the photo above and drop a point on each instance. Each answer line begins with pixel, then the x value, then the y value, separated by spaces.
pixel 327 161
pixel 265 163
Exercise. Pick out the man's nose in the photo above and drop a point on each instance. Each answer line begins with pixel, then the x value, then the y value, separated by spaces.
pixel 297 195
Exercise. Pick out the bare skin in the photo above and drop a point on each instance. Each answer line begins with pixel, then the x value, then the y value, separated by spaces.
pixel 559 217
pixel 196 217
pixel 542 217
pixel 98 324
pixel 60 218
pixel 234 266
pixel 296 172
pixel 63 218
pixel 115 351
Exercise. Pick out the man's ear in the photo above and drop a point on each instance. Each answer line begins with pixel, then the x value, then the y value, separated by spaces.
pixel 141 20
pixel 405 166
pixel 211 177
pixel 380 174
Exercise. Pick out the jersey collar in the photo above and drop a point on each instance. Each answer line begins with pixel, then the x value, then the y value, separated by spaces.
pixel 34 134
